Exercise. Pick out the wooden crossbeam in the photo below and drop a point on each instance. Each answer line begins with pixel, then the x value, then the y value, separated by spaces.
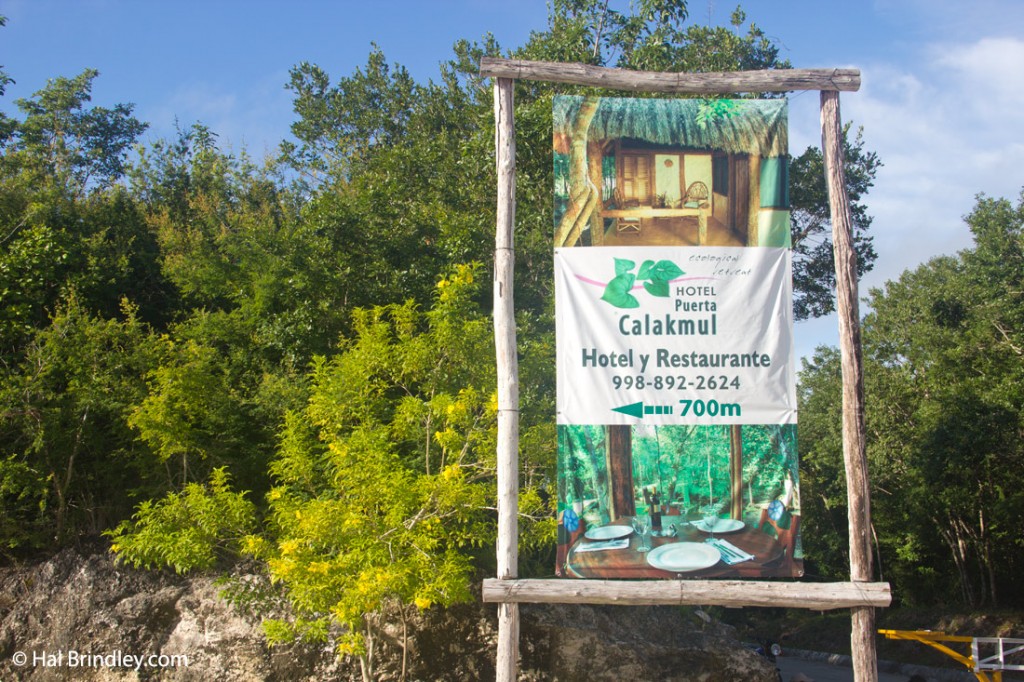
pixel 775 80
pixel 731 593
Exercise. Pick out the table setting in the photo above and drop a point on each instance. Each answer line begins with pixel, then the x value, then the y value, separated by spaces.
pixel 707 546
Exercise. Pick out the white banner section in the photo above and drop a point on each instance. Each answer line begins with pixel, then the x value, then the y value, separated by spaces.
pixel 675 335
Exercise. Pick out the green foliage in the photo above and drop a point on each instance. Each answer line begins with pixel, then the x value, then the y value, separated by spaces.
pixel 237 275
pixel 651 35
pixel 63 225
pixel 188 530
pixel 943 377
pixel 61 141
pixel 685 463
pixel 384 483
pixel 23 495
pixel 813 269
pixel 97 247
pixel 79 279
pixel 62 423
pixel 342 125
pixel 192 411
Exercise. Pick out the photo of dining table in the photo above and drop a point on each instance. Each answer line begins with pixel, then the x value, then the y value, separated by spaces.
pixel 684 548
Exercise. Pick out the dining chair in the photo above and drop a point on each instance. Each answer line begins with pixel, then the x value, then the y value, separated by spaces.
pixel 785 535
pixel 627 224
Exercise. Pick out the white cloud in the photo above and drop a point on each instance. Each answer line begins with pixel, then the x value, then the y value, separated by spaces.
pixel 986 78
pixel 947 126
pixel 256 117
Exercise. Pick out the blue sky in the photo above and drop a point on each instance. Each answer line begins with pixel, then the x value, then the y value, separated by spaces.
pixel 941 100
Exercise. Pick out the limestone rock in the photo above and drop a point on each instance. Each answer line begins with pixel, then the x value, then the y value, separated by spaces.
pixel 83 604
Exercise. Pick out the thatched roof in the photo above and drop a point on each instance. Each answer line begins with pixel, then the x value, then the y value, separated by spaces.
pixel 748 126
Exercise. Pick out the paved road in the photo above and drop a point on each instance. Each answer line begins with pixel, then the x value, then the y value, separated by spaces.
pixel 825 672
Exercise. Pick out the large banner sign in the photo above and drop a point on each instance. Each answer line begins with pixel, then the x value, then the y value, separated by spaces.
pixel 676 381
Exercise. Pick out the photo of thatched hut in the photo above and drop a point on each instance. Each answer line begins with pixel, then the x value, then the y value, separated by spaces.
pixel 670 171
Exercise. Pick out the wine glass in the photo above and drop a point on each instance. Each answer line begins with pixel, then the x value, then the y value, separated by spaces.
pixel 642 526
pixel 710 521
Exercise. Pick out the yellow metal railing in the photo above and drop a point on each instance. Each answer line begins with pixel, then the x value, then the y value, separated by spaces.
pixel 986 669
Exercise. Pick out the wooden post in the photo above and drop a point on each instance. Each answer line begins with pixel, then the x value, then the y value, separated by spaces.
pixel 508 376
pixel 862 638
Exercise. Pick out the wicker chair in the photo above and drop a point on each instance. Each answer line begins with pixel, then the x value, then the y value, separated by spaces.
pixel 696 195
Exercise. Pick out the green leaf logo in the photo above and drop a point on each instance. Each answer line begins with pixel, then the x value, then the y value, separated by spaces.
pixel 617 292
pixel 654 275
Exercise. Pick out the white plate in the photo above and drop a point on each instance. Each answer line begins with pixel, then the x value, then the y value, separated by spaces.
pixel 721 526
pixel 680 557
pixel 608 532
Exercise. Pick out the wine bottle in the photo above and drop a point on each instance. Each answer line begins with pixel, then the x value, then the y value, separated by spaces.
pixel 655 511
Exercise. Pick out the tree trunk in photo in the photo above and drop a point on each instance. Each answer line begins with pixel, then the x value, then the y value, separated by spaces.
pixel 736 471
pixel 591 450
pixel 985 549
pixel 583 195
pixel 366 658
pixel 620 471
pixel 595 170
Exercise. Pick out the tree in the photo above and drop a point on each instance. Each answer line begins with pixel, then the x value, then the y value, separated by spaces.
pixel 814 277
pixel 60 141
pixel 943 385
pixel 63 434
pixel 383 485
pixel 6 125
pixel 342 125
pixel 63 225
pixel 191 530
pixel 650 36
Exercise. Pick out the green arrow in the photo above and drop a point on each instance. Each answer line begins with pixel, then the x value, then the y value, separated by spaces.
pixel 634 410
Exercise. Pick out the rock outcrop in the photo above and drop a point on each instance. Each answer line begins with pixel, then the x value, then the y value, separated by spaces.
pixel 80 616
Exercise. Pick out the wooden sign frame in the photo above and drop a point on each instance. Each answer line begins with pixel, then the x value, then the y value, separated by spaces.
pixel 860 595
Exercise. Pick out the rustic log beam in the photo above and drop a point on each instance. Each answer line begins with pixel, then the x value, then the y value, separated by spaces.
pixel 778 80
pixel 731 593
pixel 862 636
pixel 508 376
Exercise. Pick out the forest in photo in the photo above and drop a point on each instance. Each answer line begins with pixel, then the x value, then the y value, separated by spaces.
pixel 203 357
pixel 688 465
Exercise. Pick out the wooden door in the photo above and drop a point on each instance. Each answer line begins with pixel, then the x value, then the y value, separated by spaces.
pixel 636 178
